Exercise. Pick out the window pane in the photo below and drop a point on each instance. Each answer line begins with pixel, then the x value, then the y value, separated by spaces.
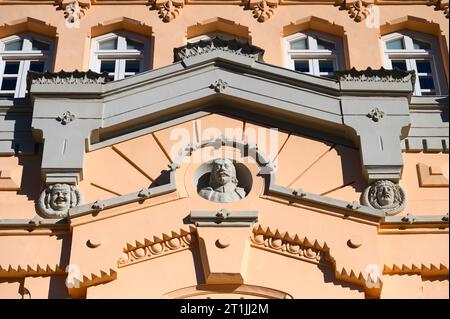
pixel 133 45
pixel 108 44
pixel 39 45
pixel 326 66
pixel 302 66
pixel 12 67
pixel 324 45
pixel 299 45
pixel 9 84
pixel 132 66
pixel 423 66
pixel 395 44
pixel 426 83
pixel 399 64
pixel 13 46
pixel 421 45
pixel 107 66
pixel 37 66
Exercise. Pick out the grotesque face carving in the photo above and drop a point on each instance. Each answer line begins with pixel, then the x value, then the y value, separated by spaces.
pixel 223 183
pixel 56 200
pixel 223 172
pixel 60 197
pixel 386 196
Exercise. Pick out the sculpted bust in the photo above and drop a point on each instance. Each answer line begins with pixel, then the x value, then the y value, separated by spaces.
pixel 223 183
pixel 56 200
pixel 385 195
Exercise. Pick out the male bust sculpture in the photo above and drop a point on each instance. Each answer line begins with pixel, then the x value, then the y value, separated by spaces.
pixel 223 183
pixel 386 196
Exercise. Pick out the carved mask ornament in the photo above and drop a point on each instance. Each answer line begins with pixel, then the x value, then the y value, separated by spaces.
pixel 56 200
pixel 386 196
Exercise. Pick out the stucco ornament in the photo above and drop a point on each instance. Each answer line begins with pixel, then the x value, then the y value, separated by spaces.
pixel 223 183
pixel 168 9
pixel 375 114
pixel 263 9
pixel 357 9
pixel 56 200
pixel 74 11
pixel 441 5
pixel 386 196
pixel 219 85
pixel 66 118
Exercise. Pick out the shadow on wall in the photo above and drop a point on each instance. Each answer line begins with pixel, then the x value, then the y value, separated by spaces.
pixel 31 176
pixel 58 288
pixel 351 167
pixel 329 277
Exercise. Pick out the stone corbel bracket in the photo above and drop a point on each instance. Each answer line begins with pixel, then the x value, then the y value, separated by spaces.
pixel 65 127
pixel 381 126
pixel 223 243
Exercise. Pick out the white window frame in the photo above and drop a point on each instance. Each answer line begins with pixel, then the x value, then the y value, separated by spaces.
pixel 222 35
pixel 411 55
pixel 24 57
pixel 121 54
pixel 312 54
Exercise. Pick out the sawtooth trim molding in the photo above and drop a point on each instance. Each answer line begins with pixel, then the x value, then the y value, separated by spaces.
pixel 158 246
pixel 302 248
pixel 291 245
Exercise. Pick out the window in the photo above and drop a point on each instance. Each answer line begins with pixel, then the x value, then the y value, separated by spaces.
pixel 314 53
pixel 120 54
pixel 18 55
pixel 416 51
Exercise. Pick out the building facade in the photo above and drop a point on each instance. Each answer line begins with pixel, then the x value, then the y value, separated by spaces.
pixel 224 149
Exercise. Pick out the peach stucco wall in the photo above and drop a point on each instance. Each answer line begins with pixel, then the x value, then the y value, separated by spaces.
pixel 321 169
pixel 412 262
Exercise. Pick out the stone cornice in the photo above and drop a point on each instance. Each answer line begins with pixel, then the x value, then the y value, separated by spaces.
pixel 218 44
pixel 64 78
pixel 375 75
